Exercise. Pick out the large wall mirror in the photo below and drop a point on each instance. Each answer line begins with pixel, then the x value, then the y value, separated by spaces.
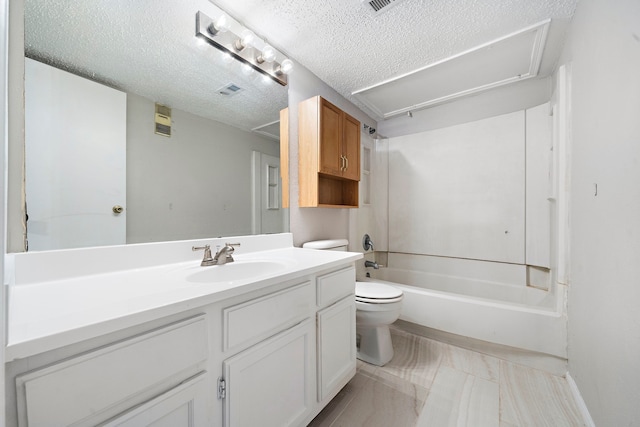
pixel 102 70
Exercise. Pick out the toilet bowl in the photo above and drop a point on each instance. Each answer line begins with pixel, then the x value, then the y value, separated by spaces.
pixel 377 306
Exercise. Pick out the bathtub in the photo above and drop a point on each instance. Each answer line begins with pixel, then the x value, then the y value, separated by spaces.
pixel 495 307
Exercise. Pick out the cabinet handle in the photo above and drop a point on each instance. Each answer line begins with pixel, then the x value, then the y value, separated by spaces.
pixel 342 167
pixel 346 163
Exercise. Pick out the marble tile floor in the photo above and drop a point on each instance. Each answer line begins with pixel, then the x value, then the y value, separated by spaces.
pixel 433 384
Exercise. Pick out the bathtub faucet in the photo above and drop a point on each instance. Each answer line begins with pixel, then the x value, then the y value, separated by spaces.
pixel 371 264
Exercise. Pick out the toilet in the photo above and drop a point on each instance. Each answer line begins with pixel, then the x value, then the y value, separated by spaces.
pixel 377 306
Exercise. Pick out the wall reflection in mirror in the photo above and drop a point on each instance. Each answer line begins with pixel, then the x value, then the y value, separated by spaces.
pixel 134 132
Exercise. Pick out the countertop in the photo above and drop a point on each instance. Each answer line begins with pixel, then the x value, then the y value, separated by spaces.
pixel 47 314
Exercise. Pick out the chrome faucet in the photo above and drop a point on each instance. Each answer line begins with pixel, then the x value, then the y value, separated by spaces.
pixel 371 264
pixel 222 257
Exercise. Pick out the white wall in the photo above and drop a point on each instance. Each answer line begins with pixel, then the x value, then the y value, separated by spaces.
pixel 502 100
pixel 195 183
pixel 4 20
pixel 315 223
pixel 604 317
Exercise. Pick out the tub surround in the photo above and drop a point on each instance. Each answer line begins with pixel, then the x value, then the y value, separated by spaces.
pixel 59 298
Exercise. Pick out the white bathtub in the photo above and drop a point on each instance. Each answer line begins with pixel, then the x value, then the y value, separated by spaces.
pixel 488 310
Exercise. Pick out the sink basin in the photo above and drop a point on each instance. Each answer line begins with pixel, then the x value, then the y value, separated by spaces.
pixel 237 270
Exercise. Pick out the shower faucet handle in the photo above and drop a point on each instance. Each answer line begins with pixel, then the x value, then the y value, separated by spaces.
pixel 367 243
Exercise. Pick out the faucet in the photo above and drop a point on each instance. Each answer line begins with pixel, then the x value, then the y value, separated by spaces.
pixel 222 257
pixel 371 264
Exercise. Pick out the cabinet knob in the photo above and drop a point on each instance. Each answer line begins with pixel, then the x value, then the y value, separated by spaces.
pixel 117 209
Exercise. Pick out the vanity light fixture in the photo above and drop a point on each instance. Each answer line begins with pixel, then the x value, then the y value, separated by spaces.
pixel 220 34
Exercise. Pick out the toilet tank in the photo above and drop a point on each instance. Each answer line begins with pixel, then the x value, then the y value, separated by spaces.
pixel 329 245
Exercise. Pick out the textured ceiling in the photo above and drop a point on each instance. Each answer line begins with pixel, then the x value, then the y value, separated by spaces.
pixel 347 47
pixel 147 47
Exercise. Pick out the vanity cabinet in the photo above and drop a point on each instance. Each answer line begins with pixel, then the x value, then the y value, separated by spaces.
pixel 149 372
pixel 272 356
pixel 286 354
pixel 269 344
pixel 328 155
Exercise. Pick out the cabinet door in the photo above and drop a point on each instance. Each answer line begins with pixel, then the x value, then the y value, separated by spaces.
pixel 272 383
pixel 336 346
pixel 351 147
pixel 95 386
pixel 185 405
pixel 330 142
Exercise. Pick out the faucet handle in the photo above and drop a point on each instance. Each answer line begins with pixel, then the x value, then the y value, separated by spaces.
pixel 231 249
pixel 367 243
pixel 207 259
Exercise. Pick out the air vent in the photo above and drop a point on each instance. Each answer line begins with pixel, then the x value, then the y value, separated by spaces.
pixel 376 7
pixel 163 120
pixel 230 90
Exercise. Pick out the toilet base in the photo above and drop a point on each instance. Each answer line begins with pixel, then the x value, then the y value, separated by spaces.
pixel 374 344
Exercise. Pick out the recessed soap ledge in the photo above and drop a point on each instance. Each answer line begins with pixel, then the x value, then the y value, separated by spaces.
pixel 63 297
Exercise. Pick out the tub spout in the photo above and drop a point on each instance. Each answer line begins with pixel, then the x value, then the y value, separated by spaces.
pixel 371 264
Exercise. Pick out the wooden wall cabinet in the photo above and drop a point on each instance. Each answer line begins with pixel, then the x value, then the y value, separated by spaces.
pixel 328 155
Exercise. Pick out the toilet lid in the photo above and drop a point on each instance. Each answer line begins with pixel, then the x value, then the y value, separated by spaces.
pixel 373 291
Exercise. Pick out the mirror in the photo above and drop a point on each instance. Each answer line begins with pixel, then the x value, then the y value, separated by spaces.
pixel 205 179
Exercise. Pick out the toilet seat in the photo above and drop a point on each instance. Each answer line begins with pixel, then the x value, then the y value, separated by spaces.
pixel 377 293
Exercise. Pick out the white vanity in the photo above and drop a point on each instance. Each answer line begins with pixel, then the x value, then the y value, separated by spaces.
pixel 142 334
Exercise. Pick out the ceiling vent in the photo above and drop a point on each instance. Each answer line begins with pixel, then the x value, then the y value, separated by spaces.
pixel 229 90
pixel 376 7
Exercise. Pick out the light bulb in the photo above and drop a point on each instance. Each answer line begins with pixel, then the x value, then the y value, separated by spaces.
pixel 221 25
pixel 246 39
pixel 268 55
pixel 286 66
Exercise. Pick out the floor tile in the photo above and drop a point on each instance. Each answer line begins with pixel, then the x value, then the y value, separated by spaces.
pixel 530 397
pixel 460 399
pixel 339 403
pixel 416 359
pixel 471 362
pixel 382 404
pixel 432 384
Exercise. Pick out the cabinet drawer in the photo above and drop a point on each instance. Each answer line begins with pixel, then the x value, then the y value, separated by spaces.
pixel 184 405
pixel 93 387
pixel 250 322
pixel 335 286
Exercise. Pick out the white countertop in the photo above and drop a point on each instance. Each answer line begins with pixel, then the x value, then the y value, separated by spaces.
pixel 47 314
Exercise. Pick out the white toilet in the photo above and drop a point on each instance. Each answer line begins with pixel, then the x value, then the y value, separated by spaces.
pixel 377 306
